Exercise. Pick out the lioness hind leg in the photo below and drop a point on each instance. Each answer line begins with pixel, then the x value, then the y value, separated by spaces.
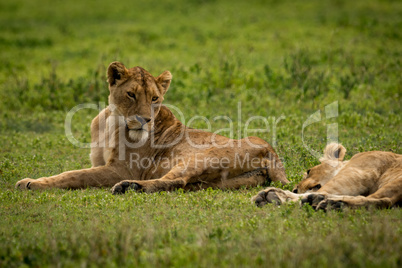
pixel 275 170
pixel 248 179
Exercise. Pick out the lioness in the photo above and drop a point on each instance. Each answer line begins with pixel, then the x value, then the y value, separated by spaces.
pixel 137 143
pixel 367 179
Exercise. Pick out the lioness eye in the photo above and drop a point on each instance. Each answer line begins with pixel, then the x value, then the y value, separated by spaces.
pixel 131 94
pixel 155 98
pixel 317 187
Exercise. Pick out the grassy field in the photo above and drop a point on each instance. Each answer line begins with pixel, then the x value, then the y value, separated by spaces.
pixel 280 60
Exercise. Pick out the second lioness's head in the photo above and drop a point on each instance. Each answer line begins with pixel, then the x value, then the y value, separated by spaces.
pixel 136 96
pixel 331 163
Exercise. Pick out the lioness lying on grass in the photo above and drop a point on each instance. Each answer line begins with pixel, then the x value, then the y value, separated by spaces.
pixel 367 179
pixel 139 144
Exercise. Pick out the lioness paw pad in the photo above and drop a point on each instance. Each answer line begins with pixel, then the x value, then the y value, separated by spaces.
pixel 330 204
pixel 313 200
pixel 264 197
pixel 124 186
pixel 23 184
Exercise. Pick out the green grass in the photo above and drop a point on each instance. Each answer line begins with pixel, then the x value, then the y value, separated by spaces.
pixel 277 58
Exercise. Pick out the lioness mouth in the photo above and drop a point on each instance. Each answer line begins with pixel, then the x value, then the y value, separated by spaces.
pixel 136 129
pixel 137 134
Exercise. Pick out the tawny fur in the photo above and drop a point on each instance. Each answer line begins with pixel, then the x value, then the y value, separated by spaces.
pixel 136 126
pixel 367 179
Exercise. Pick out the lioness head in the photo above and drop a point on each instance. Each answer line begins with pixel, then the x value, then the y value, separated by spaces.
pixel 319 175
pixel 136 96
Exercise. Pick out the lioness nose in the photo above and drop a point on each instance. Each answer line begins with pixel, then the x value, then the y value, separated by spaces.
pixel 143 120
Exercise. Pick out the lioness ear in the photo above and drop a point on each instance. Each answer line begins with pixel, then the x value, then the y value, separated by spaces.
pixel 164 81
pixel 116 71
pixel 334 151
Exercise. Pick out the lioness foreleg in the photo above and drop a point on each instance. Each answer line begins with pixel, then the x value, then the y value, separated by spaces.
pixel 338 203
pixel 174 179
pixel 386 196
pixel 150 186
pixel 104 176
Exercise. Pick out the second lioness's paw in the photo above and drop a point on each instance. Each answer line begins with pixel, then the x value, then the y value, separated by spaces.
pixel 124 186
pixel 266 196
pixel 313 199
pixel 331 204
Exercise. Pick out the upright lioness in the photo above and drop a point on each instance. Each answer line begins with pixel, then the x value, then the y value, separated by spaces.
pixel 368 179
pixel 137 143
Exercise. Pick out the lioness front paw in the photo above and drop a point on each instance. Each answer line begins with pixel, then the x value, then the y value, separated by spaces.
pixel 24 184
pixel 123 186
pixel 313 200
pixel 266 196
pixel 329 204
